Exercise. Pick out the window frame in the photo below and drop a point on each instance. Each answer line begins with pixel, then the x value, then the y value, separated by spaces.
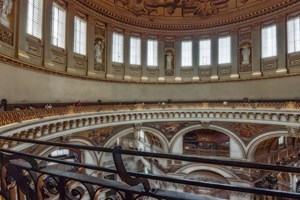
pixel 222 49
pixel 265 55
pixel 138 51
pixel 30 23
pixel 295 50
pixel 80 51
pixel 210 51
pixel 63 35
pixel 188 52
pixel 120 51
pixel 154 55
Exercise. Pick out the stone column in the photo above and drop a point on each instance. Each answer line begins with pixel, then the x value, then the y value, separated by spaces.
pixel 234 55
pixel 144 77
pixel 256 50
pixel 195 59
pixel 109 69
pixel 281 45
pixel 161 59
pixel 127 72
pixel 178 77
pixel 214 57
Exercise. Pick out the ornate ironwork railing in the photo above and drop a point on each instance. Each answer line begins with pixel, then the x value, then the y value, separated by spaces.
pixel 23 174
pixel 10 117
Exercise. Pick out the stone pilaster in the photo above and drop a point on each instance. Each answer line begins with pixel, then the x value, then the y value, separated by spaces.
pixel 48 33
pixel 126 50
pixel 70 38
pixel 281 45
pixel 91 46
pixel 161 59
pixel 195 59
pixel 256 50
pixel 144 38
pixel 109 68
pixel 235 58
pixel 214 57
pixel 178 77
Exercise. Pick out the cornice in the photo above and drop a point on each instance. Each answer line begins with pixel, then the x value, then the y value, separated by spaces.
pixel 21 64
pixel 182 26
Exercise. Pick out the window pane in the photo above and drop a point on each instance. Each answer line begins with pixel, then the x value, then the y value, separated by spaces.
pixel 269 44
pixel 224 50
pixel 117 54
pixel 58 26
pixel 34 18
pixel 186 54
pixel 293 35
pixel 135 51
pixel 79 36
pixel 204 52
pixel 152 52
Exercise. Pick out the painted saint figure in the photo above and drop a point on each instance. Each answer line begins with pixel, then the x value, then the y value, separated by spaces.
pixel 99 47
pixel 246 55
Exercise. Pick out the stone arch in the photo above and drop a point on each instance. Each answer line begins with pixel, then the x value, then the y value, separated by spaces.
pixel 160 135
pixel 233 137
pixel 227 174
pixel 252 146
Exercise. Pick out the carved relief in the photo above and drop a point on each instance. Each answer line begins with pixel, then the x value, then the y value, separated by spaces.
pixel 79 63
pixel 293 131
pixel 294 60
pixel 99 47
pixel 205 72
pixel 6 8
pixel 269 64
pixel 33 49
pixel 245 45
pixel 224 70
pixel 58 58
pixel 173 7
pixel 136 71
pixel 169 56
pixel 6 35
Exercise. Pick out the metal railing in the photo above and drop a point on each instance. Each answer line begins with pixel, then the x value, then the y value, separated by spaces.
pixel 23 174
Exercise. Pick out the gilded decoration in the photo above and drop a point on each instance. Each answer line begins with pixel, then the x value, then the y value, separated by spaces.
pixel 6 36
pixel 173 7
pixel 248 131
pixel 155 14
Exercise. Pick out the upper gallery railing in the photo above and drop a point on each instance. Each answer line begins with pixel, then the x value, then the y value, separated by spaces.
pixel 10 117
pixel 26 175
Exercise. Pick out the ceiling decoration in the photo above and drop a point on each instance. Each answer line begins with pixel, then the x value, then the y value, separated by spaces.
pixel 184 15
pixel 170 7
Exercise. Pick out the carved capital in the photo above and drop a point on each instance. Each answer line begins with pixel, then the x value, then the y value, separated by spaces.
pixel 137 127
pixel 293 131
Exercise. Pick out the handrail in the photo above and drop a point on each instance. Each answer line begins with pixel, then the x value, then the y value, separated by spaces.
pixel 259 191
pixel 10 117
pixel 235 163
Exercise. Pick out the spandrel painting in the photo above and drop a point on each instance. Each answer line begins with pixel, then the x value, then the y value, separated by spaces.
pixel 206 142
